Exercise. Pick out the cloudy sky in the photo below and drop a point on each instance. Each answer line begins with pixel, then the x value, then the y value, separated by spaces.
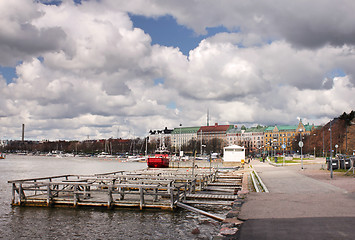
pixel 108 68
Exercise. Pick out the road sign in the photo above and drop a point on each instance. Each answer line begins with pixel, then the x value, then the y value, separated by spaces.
pixel 300 144
pixel 283 146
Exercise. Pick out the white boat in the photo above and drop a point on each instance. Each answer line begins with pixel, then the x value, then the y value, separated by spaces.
pixel 135 158
pixel 105 155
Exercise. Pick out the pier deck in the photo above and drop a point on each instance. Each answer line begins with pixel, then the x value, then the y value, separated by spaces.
pixel 150 188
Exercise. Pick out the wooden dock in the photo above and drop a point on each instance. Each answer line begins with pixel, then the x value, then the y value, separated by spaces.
pixel 150 188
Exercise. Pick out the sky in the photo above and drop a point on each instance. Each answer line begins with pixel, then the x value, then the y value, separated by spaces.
pixel 73 70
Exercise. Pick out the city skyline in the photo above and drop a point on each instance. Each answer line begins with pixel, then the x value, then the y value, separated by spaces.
pixel 72 69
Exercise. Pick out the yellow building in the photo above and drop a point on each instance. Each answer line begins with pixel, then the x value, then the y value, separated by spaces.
pixel 281 138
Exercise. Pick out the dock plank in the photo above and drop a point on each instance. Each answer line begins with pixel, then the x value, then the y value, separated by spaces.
pixel 211 196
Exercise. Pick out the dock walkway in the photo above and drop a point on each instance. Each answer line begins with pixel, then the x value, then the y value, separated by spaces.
pixel 150 188
pixel 302 204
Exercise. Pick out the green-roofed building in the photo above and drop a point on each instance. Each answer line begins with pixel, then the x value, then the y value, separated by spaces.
pixel 183 135
pixel 251 138
pixel 280 138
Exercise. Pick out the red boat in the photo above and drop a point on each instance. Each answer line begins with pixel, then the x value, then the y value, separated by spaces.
pixel 160 160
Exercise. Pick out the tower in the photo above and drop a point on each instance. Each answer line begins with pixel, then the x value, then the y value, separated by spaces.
pixel 23 132
pixel 208 117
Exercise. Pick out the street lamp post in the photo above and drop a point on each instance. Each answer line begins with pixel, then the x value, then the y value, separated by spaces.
pixel 323 142
pixel 301 146
pixel 180 143
pixel 331 151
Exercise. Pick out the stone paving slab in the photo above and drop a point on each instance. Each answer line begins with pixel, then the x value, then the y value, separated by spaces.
pixel 335 228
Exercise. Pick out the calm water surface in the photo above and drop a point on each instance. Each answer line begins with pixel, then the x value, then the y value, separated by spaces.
pixel 65 223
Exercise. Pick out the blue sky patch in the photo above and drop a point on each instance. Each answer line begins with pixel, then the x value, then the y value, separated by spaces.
pixel 58 2
pixel 172 105
pixel 166 32
pixel 8 73
pixel 337 72
pixel 158 81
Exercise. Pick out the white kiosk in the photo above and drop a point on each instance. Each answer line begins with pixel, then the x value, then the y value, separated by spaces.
pixel 233 155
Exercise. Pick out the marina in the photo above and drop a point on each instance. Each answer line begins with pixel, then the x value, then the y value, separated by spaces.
pixel 164 189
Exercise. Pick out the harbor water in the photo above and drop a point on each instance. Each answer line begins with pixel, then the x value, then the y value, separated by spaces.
pixel 89 223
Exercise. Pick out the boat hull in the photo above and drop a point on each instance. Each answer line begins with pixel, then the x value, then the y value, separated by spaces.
pixel 158 162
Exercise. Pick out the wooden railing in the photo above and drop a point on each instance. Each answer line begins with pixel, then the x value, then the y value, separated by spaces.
pixel 126 189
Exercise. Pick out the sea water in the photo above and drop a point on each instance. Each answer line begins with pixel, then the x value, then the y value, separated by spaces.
pixel 89 223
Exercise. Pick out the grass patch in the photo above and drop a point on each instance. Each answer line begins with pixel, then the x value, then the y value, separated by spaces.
pixel 340 170
pixel 303 158
pixel 279 160
pixel 286 161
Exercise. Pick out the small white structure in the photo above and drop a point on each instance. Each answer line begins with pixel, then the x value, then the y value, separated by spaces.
pixel 234 153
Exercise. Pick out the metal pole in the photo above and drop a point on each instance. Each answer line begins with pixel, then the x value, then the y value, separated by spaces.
pixel 180 140
pixel 301 159
pixel 323 142
pixel 331 151
pixel 301 151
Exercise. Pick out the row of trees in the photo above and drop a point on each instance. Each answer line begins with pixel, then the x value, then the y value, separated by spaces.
pixel 342 134
pixel 318 142
pixel 112 146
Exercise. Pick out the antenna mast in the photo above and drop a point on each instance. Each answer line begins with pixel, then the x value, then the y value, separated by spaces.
pixel 208 117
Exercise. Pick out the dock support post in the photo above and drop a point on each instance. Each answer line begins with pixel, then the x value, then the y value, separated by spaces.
pixel 155 195
pixel 13 193
pixel 21 193
pixel 87 192
pixel 185 189
pixel 110 199
pixel 49 195
pixel 76 197
pixel 141 202
pixel 121 190
pixel 171 198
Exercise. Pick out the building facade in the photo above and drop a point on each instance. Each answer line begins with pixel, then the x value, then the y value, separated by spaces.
pixel 182 135
pixel 281 138
pixel 252 139
pixel 162 136
pixel 207 133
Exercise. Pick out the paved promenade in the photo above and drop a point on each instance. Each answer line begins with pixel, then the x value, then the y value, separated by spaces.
pixel 302 204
